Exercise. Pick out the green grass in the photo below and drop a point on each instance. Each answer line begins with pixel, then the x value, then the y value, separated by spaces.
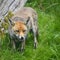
pixel 48 42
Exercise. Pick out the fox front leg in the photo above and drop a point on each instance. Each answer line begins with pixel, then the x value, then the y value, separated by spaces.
pixel 35 41
pixel 35 36
pixel 23 45
pixel 13 44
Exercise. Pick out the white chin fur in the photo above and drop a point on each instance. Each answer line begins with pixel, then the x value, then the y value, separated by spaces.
pixel 20 37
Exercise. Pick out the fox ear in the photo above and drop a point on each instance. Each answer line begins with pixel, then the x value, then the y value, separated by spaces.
pixel 27 20
pixel 12 23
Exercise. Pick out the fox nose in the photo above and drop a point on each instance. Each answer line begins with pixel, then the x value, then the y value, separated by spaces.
pixel 22 38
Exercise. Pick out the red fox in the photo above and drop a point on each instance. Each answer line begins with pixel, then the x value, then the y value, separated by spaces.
pixel 23 21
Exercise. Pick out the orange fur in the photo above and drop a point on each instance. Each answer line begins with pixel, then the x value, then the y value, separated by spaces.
pixel 19 26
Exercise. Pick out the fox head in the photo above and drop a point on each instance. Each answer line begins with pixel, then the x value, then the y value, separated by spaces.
pixel 20 29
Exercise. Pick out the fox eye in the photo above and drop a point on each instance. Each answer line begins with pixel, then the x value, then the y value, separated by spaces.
pixel 17 31
pixel 24 30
